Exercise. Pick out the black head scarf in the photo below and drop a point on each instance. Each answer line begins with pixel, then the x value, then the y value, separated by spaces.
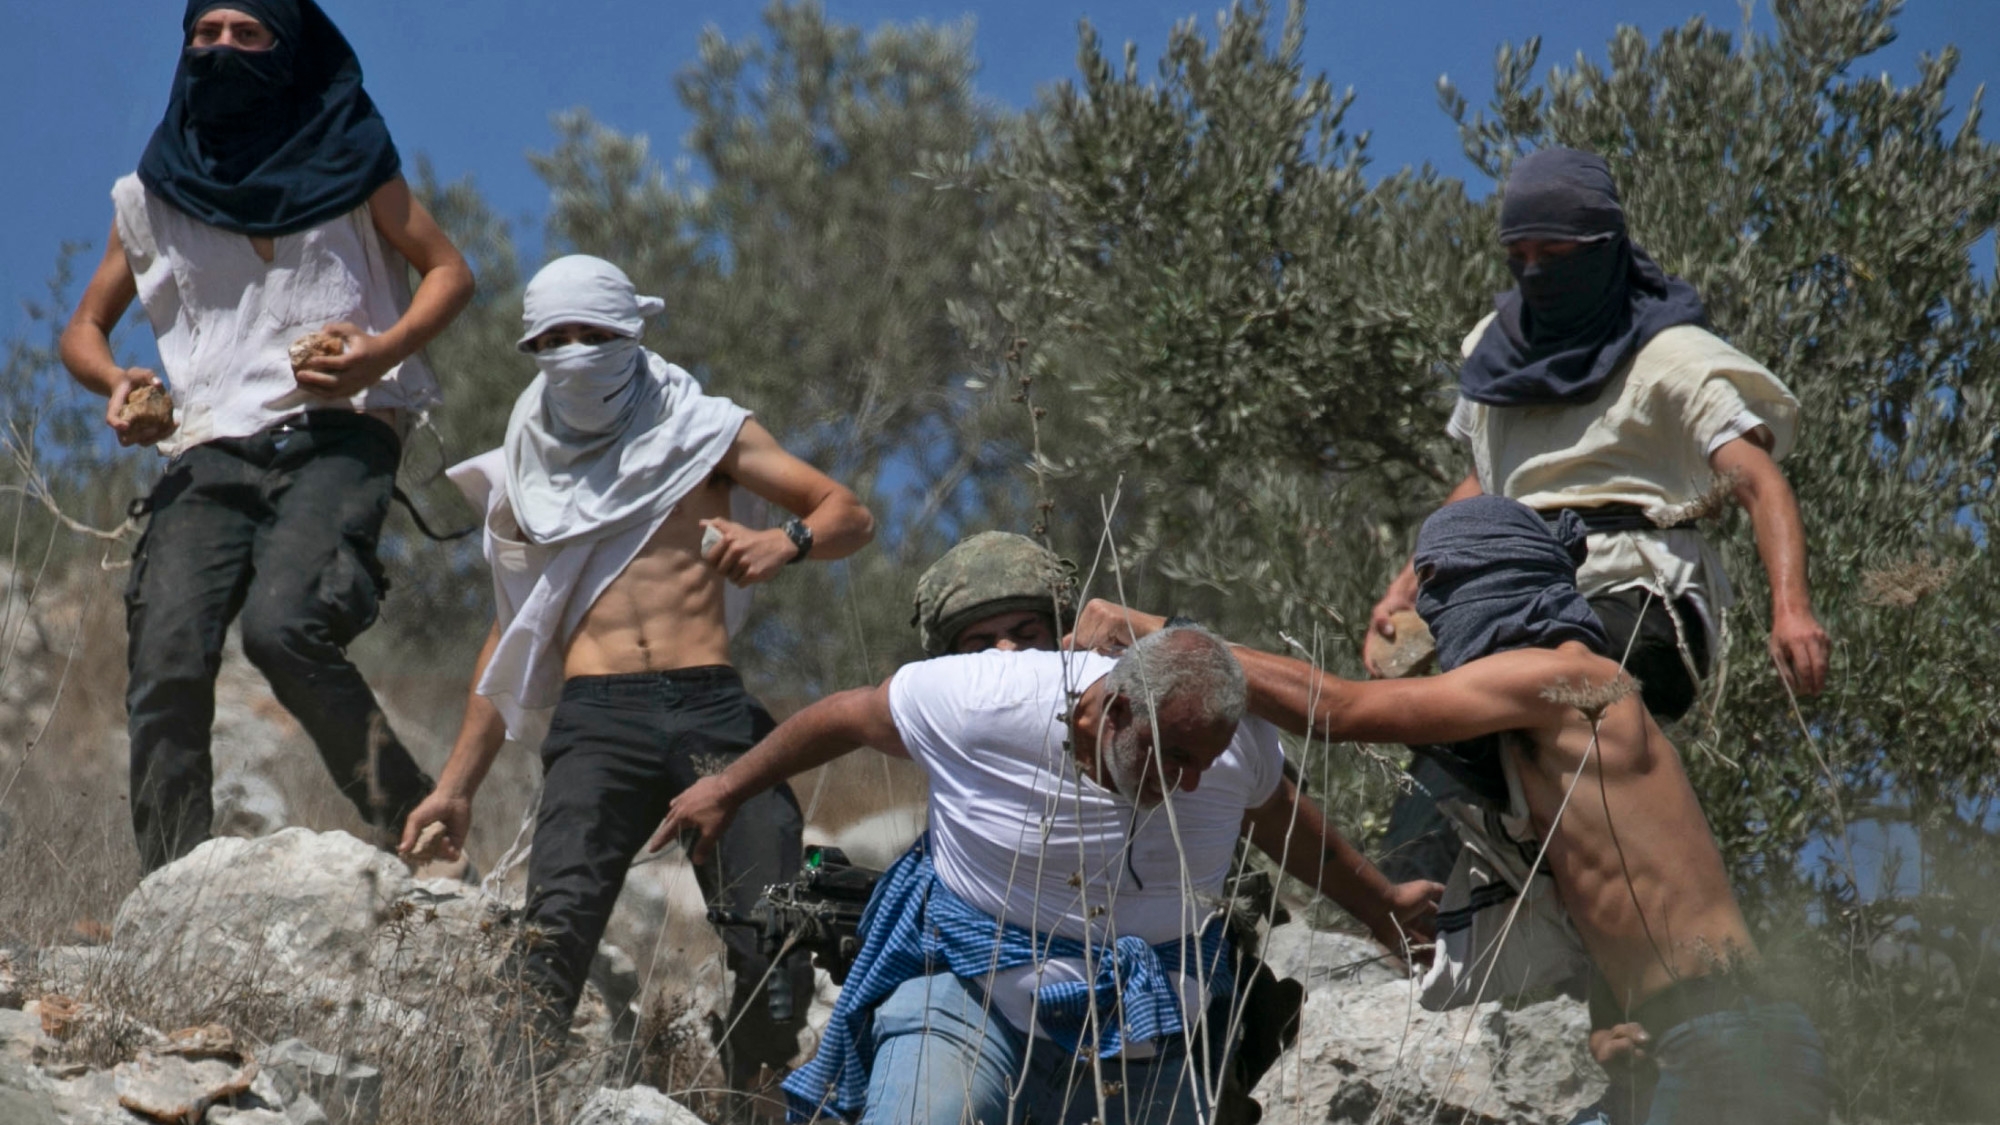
pixel 269 142
pixel 1569 322
pixel 1495 576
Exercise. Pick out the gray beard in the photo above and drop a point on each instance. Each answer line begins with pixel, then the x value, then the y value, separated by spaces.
pixel 1125 765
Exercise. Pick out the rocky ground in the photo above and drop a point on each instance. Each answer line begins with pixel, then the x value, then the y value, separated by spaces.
pixel 285 975
pixel 388 990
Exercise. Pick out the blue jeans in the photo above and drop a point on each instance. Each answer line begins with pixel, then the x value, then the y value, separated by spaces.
pixel 1761 1063
pixel 942 1058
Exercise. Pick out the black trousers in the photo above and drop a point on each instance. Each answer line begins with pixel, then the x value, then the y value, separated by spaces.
pixel 619 749
pixel 279 528
pixel 1420 842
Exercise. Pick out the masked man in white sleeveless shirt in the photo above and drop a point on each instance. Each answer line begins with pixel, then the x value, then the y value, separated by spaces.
pixel 620 530
pixel 268 206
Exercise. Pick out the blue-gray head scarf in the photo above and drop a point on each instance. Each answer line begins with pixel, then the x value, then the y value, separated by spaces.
pixel 1569 322
pixel 1496 576
pixel 269 142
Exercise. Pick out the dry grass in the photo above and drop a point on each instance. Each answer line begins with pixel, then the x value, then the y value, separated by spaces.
pixel 427 998
pixel 1707 505
pixel 1900 585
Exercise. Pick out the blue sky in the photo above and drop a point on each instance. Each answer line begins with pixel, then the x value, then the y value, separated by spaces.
pixel 472 85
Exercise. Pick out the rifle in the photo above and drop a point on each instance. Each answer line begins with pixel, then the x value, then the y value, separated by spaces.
pixel 819 911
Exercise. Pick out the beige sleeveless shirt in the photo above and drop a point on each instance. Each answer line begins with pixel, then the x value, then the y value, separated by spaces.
pixel 1646 440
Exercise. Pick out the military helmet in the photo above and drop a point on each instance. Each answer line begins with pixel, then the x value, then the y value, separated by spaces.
pixel 986 575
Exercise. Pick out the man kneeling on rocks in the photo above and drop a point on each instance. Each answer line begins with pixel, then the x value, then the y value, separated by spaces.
pixel 611 606
pixel 1529 690
pixel 1052 946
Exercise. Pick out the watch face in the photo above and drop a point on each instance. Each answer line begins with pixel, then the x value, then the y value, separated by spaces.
pixel 800 535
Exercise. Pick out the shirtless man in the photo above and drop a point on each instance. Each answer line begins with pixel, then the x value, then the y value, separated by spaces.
pixel 1633 859
pixel 619 565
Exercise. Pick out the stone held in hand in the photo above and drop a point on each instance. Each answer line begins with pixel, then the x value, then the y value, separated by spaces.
pixel 711 538
pixel 1410 653
pixel 148 413
pixel 426 848
pixel 312 345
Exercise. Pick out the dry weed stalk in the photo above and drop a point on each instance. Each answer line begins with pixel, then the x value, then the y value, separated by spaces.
pixel 1707 505
pixel 1591 699
pixel 1900 585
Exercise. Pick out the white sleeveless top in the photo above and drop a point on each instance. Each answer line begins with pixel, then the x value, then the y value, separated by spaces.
pixel 226 319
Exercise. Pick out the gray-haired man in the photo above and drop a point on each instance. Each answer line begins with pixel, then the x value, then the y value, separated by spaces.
pixel 1053 944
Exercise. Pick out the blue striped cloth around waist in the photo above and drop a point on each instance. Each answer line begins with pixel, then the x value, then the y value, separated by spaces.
pixel 915 926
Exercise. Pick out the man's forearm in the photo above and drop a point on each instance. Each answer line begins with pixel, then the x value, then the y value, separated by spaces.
pixel 440 297
pixel 1293 695
pixel 86 352
pixel 1294 831
pixel 841 525
pixel 816 735
pixel 1781 540
pixel 1342 874
pixel 480 737
pixel 480 734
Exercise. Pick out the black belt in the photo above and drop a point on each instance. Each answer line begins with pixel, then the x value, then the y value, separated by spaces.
pixel 331 418
pixel 1604 519
pixel 1689 999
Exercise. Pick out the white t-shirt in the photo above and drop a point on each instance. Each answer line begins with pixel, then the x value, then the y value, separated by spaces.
pixel 1018 832
pixel 226 319
pixel 1645 440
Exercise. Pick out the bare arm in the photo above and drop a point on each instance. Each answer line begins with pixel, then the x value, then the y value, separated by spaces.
pixel 480 736
pixel 1402 592
pixel 86 341
pixel 834 726
pixel 1495 694
pixel 1291 829
pixel 1487 696
pixel 444 291
pixel 1799 645
pixel 839 523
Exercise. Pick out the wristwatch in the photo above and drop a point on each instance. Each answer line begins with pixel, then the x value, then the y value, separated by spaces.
pixel 801 536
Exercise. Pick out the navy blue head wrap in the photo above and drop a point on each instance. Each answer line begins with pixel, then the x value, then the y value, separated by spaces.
pixel 1569 322
pixel 1495 576
pixel 269 142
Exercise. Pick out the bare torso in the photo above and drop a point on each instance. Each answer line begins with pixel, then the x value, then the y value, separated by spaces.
pixel 665 610
pixel 1632 854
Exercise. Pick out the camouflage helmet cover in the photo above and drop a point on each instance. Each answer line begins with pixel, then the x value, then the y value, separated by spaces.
pixel 986 575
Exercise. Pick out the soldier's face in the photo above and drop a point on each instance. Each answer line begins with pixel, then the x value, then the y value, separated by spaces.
pixel 1021 631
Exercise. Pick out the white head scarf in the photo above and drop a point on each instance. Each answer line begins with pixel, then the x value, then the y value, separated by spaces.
pixel 580 289
pixel 607 435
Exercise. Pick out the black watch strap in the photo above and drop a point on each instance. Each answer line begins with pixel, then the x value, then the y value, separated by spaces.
pixel 801 536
